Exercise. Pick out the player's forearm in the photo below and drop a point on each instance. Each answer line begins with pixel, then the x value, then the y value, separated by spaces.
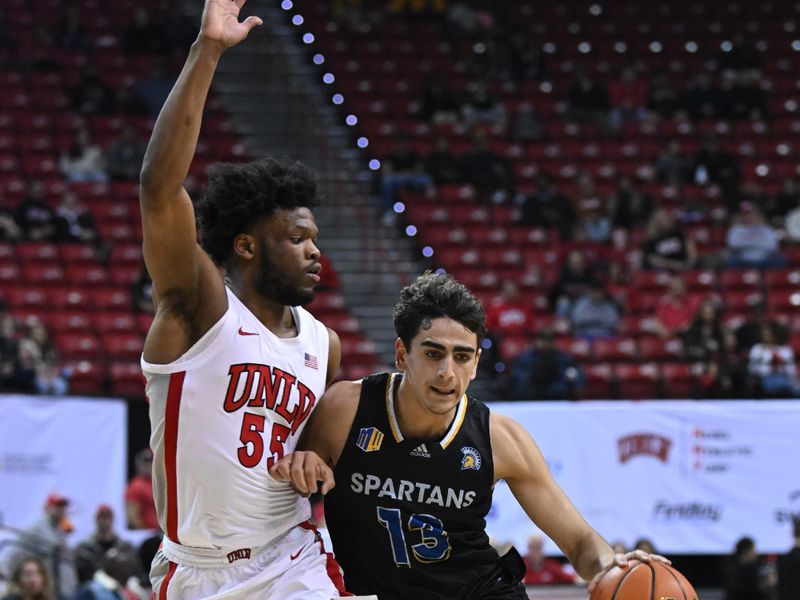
pixel 174 140
pixel 591 555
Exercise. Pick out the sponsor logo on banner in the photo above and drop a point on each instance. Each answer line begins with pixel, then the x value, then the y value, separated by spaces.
pixel 27 463
pixel 648 444
pixel 716 450
pixel 791 510
pixel 686 511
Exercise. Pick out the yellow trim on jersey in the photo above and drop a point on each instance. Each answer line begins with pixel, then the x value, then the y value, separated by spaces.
pixel 462 411
pixel 398 436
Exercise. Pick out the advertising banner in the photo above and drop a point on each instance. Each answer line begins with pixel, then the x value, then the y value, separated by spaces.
pixel 72 446
pixel 693 477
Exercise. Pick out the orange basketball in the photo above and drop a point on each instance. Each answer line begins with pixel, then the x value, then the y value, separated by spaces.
pixel 643 581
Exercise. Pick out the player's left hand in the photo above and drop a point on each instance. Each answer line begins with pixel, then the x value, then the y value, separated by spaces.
pixel 304 471
pixel 621 560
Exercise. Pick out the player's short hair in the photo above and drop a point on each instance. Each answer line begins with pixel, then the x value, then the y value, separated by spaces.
pixel 240 194
pixel 434 295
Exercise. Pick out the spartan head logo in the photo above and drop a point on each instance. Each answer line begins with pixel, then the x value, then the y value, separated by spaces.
pixel 471 459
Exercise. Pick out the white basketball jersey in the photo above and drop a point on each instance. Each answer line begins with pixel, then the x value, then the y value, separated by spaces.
pixel 221 415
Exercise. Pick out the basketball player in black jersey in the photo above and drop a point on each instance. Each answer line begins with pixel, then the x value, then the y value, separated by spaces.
pixel 415 462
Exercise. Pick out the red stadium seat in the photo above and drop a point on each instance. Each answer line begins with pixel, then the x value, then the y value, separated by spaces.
pixel 68 320
pixel 24 297
pixel 122 345
pixel 79 345
pixel 678 380
pixel 73 254
pixel 110 299
pixel 86 376
pixel 115 321
pixel 637 381
pixel 740 279
pixel 599 380
pixel 621 349
pixel 656 349
pixel 126 379
pixel 72 298
pixel 86 274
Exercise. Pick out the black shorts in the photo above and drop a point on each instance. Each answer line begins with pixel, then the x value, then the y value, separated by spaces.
pixel 501 582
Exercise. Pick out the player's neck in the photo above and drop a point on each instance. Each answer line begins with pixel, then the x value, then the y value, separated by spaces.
pixel 416 420
pixel 275 316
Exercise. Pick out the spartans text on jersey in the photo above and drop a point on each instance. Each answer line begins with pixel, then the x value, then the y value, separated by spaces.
pixel 410 491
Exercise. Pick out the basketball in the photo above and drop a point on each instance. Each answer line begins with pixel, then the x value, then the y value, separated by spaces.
pixel 643 581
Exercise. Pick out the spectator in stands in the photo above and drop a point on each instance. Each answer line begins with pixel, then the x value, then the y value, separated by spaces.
pixel 742 579
pixel 595 226
pixel 46 539
pixel 540 570
pixel 481 107
pixel 153 90
pixel 628 97
pixel 144 35
pixel 588 100
pixel 110 582
pixel 675 311
pixel 401 168
pixel 74 221
pixel 575 279
pixel 83 160
pixel 772 365
pixel 9 230
pixel 70 34
pixel 662 98
pixel 491 174
pixel 139 505
pixel 751 241
pixel 90 552
pixel 712 164
pixel 644 544
pixel 595 314
pixel 91 95
pixel 34 216
pixel 547 207
pixel 630 206
pixel 508 312
pixel 440 104
pixel 38 355
pixel 526 126
pixel 742 96
pixel 789 567
pixel 124 155
pixel 666 246
pixel 748 334
pixel 142 292
pixel 442 165
pixel 702 340
pixel 29 581
pixel 742 55
pixel 784 202
pixel 700 100
pixel 526 60
pixel 545 372
pixel 672 166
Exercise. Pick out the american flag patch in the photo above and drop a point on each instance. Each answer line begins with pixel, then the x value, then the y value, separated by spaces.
pixel 310 360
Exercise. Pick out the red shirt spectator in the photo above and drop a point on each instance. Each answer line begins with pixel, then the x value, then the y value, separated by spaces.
pixel 509 312
pixel 139 505
pixel 676 309
pixel 543 571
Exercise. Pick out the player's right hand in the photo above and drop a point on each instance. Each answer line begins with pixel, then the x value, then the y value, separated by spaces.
pixel 220 23
pixel 304 471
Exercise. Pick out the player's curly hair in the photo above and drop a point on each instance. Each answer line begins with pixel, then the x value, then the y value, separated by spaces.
pixel 239 194
pixel 434 295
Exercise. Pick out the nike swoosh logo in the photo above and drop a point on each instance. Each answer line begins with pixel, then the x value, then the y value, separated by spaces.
pixel 243 332
pixel 293 556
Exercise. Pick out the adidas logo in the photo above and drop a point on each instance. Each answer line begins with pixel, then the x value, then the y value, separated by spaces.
pixel 421 450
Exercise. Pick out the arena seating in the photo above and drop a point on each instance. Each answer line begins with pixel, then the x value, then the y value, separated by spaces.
pixel 84 300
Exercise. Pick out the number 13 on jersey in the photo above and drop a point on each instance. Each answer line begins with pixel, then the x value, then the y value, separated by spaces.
pixel 435 544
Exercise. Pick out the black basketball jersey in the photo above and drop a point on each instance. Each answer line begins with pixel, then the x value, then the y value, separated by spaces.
pixel 407 516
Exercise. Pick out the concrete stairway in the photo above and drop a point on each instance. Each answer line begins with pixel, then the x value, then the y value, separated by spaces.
pixel 272 90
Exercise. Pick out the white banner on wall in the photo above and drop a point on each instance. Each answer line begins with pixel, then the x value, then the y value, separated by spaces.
pixel 73 446
pixel 693 477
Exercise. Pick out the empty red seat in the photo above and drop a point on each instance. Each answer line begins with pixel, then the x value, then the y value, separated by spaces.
pixel 679 380
pixel 72 254
pixel 637 381
pixel 126 378
pixel 110 299
pixel 86 274
pixel 65 297
pixel 86 376
pixel 24 297
pixel 122 344
pixel 60 321
pixel 43 273
pixel 78 345
pixel 38 252
pixel 115 321
pixel 621 349
pixel 740 279
pixel 599 380
pixel 657 349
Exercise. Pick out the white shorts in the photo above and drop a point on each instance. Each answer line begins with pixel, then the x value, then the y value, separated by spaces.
pixel 295 567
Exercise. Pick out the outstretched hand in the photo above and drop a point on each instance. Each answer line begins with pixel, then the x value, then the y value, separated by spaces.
pixel 221 24
pixel 621 560
pixel 304 470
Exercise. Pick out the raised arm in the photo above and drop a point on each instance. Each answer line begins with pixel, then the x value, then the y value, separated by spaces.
pixel 188 289
pixel 520 463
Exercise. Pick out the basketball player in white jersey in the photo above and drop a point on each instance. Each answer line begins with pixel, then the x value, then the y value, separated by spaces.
pixel 233 365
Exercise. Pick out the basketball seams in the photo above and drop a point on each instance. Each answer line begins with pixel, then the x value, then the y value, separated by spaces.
pixel 622 579
pixel 672 573
pixel 652 580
